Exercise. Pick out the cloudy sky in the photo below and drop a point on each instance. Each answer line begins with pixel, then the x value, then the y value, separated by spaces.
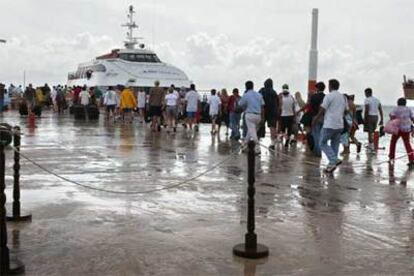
pixel 218 43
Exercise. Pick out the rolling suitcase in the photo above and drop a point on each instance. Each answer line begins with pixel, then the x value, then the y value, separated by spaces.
pixel 79 112
pixel 93 112
pixel 37 110
pixel 23 110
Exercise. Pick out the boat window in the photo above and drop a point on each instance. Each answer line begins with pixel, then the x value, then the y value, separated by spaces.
pixel 98 68
pixel 151 58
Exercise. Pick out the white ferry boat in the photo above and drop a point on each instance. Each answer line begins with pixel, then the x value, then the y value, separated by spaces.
pixel 134 65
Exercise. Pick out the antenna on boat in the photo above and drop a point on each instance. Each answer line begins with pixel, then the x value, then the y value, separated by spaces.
pixel 131 41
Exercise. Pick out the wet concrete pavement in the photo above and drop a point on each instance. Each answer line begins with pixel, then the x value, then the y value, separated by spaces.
pixel 358 222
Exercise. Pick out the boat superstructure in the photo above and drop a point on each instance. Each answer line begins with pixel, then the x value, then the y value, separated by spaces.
pixel 133 64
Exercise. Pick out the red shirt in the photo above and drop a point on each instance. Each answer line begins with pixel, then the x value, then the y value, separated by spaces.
pixel 232 103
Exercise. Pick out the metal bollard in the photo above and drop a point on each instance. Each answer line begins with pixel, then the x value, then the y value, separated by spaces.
pixel 16 215
pixel 250 248
pixel 7 266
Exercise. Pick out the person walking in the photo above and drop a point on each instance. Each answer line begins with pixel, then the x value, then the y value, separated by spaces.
pixel 110 101
pixel 214 103
pixel 373 108
pixel 354 126
pixel 60 100
pixel 224 113
pixel 192 99
pixel 332 109
pixel 142 101
pixel 127 103
pixel 271 110
pixel 406 118
pixel 84 96
pixel 234 114
pixel 156 100
pixel 287 116
pixel 30 97
pixel 171 101
pixel 316 127
pixel 253 105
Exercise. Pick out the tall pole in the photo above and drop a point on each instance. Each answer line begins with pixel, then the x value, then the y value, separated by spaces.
pixel 24 79
pixel 313 54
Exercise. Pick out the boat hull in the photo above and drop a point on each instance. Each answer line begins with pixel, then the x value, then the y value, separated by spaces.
pixel 114 72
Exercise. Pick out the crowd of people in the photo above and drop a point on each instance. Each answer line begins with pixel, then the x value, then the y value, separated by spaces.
pixel 324 120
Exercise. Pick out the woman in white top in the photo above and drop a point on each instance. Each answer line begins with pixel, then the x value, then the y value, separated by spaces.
pixel 287 116
pixel 142 101
pixel 84 97
pixel 171 109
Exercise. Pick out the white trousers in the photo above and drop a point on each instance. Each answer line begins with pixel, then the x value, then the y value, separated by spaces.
pixel 252 121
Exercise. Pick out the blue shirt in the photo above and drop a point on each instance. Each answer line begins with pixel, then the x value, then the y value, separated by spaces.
pixel 252 101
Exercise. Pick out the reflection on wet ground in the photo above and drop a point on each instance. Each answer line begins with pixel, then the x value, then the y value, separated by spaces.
pixel 358 222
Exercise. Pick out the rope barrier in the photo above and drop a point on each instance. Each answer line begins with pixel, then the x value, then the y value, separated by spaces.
pixel 125 192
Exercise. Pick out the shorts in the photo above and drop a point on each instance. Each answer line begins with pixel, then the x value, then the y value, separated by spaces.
pixel 371 124
pixel 110 108
pixel 286 123
pixel 172 111
pixel 127 110
pixel 155 110
pixel 191 115
pixel 215 117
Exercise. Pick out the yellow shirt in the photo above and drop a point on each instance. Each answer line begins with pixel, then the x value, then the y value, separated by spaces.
pixel 127 99
pixel 40 98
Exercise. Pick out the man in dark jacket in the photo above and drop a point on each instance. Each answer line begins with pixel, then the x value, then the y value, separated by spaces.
pixel 271 110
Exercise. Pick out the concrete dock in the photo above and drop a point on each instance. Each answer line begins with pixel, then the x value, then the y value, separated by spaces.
pixel 358 222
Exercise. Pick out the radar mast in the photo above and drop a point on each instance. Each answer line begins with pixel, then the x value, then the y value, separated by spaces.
pixel 131 41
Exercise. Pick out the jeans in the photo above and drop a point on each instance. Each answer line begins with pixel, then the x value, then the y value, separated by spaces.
pixel 1 104
pixel 252 121
pixel 316 134
pixel 235 124
pixel 331 151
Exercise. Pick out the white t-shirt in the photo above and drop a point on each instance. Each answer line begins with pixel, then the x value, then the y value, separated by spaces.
pixel 192 98
pixel 288 105
pixel 373 104
pixel 142 97
pixel 214 103
pixel 84 97
pixel 335 105
pixel 110 98
pixel 53 94
pixel 171 99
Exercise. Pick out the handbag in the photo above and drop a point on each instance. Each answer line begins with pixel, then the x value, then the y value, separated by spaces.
pixel 392 126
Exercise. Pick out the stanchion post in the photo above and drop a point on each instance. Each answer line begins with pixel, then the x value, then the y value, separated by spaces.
pixel 7 266
pixel 250 248
pixel 16 215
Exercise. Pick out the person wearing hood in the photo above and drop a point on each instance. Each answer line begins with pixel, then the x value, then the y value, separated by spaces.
pixel 287 105
pixel 271 109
